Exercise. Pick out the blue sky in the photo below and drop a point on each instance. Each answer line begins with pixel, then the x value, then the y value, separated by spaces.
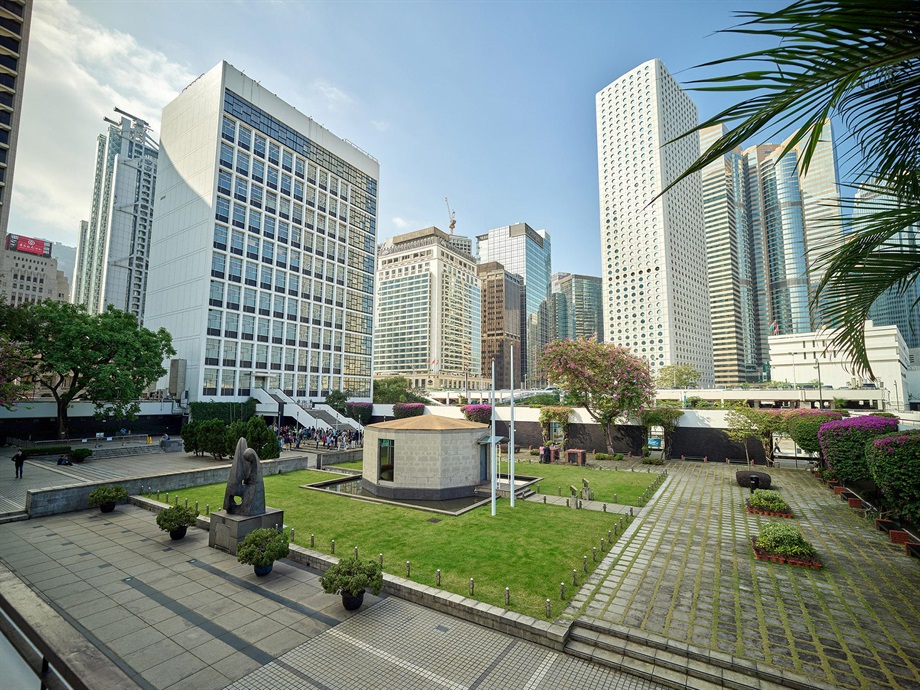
pixel 490 104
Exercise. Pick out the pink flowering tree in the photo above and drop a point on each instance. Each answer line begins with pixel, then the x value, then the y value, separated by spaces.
pixel 478 413
pixel 607 380
pixel 14 365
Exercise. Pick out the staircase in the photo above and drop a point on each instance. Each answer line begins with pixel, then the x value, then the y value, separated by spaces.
pixel 125 451
pixel 676 665
pixel 291 408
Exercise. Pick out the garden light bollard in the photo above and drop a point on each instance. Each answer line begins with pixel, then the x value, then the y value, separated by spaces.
pixel 584 563
pixel 158 495
pixel 574 577
pixel 609 537
pixel 594 553
pixel 207 508
pixel 408 568
pixel 333 547
pixel 438 577
pixel 472 586
pixel 602 545
pixel 186 503
pixel 562 590
pixel 177 499
pixel 356 553
pixel 547 608
pixel 312 540
pixel 196 506
pixel 292 535
pixel 507 597
pixel 605 507
pixel 544 500
pixel 380 558
pixel 615 498
pixel 167 497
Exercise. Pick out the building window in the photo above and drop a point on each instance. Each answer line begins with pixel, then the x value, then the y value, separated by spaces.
pixel 385 447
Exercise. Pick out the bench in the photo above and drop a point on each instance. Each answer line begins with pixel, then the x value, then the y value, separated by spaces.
pixel 737 461
pixel 695 458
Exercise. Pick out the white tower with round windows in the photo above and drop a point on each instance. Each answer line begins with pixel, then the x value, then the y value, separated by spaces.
pixel 656 294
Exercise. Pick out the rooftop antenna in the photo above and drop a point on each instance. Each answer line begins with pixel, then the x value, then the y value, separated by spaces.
pixel 452 216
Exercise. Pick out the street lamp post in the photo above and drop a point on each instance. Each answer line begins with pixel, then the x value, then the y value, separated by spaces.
pixel 820 383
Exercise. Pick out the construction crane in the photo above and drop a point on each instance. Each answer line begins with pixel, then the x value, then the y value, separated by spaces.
pixel 452 216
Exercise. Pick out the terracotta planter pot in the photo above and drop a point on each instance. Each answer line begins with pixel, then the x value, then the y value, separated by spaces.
pixel 898 536
pixel 839 489
pixel 855 503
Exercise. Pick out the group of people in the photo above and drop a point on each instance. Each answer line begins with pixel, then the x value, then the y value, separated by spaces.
pixel 336 439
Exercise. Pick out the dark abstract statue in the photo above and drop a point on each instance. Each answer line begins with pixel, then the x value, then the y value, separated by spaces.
pixel 245 493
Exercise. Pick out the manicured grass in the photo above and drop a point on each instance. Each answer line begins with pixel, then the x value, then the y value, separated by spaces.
pixel 356 465
pixel 530 549
pixel 627 486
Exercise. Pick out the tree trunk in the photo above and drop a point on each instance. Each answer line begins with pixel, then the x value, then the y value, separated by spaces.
pixel 609 437
pixel 62 418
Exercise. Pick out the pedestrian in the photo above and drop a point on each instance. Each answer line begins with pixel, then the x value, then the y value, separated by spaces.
pixel 20 460
pixel 64 460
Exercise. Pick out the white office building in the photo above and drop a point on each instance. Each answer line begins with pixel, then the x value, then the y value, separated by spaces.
pixel 114 246
pixel 656 294
pixel 262 265
pixel 428 309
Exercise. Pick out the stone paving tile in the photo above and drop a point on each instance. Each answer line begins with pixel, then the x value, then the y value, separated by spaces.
pixel 854 624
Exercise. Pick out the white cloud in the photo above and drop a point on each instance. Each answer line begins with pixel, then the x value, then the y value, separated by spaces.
pixel 380 125
pixel 334 97
pixel 77 72
pixel 400 223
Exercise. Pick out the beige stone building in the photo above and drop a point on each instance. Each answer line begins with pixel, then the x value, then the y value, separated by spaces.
pixel 30 273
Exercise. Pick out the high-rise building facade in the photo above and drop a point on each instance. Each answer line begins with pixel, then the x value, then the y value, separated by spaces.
pixel 896 306
pixel 428 308
pixel 15 22
pixel 733 302
pixel 527 253
pixel 653 246
pixel 114 245
pixel 794 216
pixel 264 241
pixel 501 322
pixel 585 297
pixel 30 272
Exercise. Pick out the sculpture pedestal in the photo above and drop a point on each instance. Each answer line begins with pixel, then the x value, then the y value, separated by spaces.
pixel 227 529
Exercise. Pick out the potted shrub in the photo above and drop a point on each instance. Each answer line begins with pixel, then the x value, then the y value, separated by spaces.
pixel 176 520
pixel 107 496
pixel 767 502
pixel 350 578
pixel 783 543
pixel 261 548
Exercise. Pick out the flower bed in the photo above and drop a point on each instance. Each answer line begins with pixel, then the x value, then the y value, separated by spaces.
pixel 764 555
pixel 769 513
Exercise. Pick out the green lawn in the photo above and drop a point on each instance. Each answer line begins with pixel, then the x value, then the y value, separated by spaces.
pixel 626 486
pixel 356 465
pixel 530 549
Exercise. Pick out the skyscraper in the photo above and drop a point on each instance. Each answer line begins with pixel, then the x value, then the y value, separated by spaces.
pixel 428 309
pixel 114 245
pixel 656 294
pixel 527 253
pixel 264 241
pixel 501 322
pixel 16 18
pixel 794 217
pixel 729 249
pixel 584 294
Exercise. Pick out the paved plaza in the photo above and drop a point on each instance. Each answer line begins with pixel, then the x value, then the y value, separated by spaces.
pixel 179 614
pixel 687 573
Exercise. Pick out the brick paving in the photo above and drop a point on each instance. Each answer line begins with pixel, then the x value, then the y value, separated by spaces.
pixel 687 572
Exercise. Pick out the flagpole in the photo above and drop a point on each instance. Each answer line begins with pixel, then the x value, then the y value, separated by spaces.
pixel 494 459
pixel 511 435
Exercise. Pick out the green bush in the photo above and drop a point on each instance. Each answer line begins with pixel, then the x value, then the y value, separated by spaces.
pixel 226 412
pixel 603 456
pixel 764 499
pixel 783 539
pixel 107 494
pixel 350 577
pixel 174 517
pixel 361 412
pixel 80 454
pixel 649 460
pixel 403 410
pixel 894 462
pixel 191 438
pixel 534 451
pixel 618 457
pixel 262 547
pixel 803 426
pixel 213 437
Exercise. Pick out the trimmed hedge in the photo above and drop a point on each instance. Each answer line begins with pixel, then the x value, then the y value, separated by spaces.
pixel 227 412
pixel 803 425
pixel 403 410
pixel 843 444
pixel 894 463
pixel 784 539
pixel 478 413
pixel 764 499
pixel 45 450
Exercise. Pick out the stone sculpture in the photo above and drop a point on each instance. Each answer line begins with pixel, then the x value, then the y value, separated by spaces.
pixel 245 494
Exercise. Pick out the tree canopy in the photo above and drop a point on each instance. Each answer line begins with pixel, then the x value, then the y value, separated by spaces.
pixel 394 389
pixel 859 61
pixel 607 380
pixel 678 376
pixel 745 422
pixel 107 359
pixel 14 367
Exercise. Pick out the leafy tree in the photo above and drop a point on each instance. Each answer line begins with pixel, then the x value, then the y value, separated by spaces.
pixel 666 417
pixel 14 366
pixel 336 400
pixel 212 438
pixel 394 389
pixel 191 438
pixel 856 60
pixel 745 422
pixel 678 376
pixel 802 426
pixel 607 380
pixel 107 359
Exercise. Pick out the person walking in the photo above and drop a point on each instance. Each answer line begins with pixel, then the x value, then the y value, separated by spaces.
pixel 20 460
